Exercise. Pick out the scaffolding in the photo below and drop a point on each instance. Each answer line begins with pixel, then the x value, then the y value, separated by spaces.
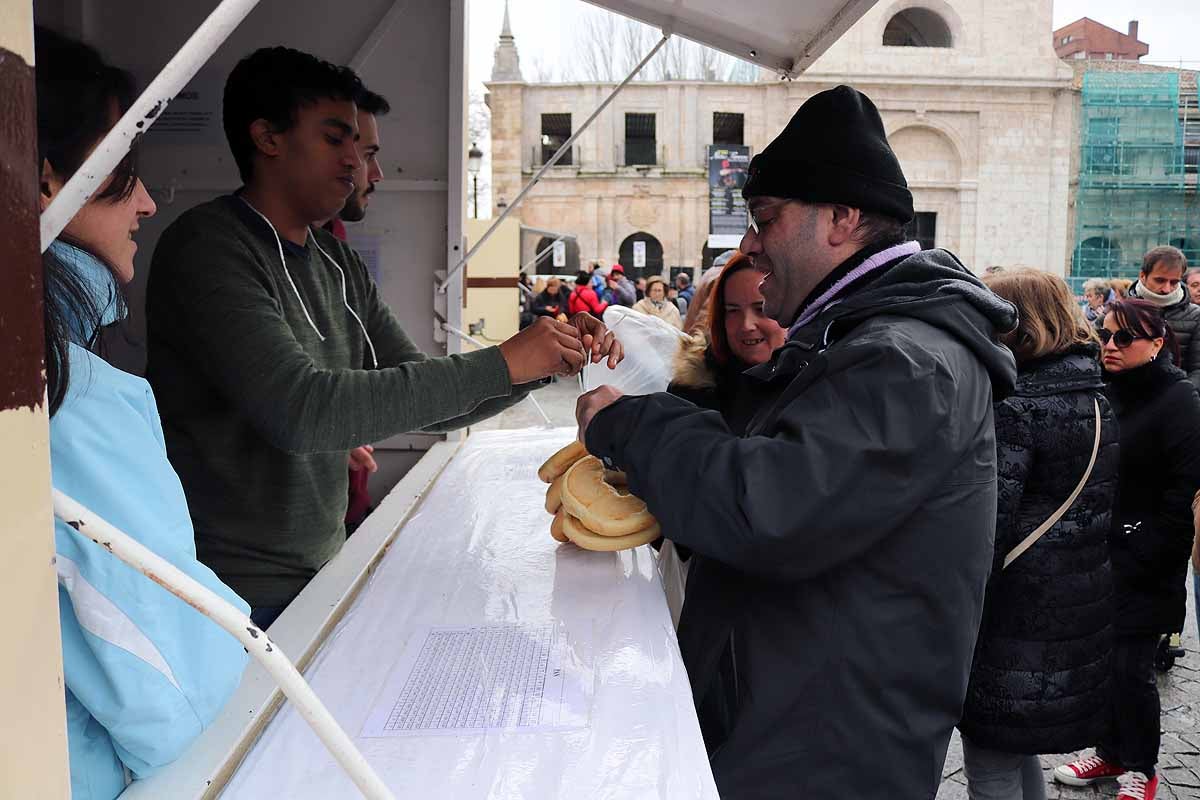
pixel 1136 189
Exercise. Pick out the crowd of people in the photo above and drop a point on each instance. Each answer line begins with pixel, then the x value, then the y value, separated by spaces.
pixel 597 288
pixel 909 499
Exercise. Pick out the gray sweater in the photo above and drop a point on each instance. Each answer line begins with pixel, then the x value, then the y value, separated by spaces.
pixel 259 409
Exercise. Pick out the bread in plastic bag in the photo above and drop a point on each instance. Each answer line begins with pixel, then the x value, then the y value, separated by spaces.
pixel 650 347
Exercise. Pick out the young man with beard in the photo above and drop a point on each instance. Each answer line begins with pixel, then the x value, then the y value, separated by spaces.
pixel 272 354
pixel 1160 281
pixel 842 545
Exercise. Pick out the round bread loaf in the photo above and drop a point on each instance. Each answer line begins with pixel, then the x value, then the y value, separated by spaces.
pixel 598 505
pixel 578 533
pixel 561 461
pixel 556 527
pixel 554 496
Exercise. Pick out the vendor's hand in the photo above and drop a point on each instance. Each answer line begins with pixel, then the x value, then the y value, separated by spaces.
pixel 361 458
pixel 592 403
pixel 547 347
pixel 598 340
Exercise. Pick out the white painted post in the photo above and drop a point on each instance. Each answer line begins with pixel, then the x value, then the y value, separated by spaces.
pixel 257 643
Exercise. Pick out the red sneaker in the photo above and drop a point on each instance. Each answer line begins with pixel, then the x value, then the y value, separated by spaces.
pixel 1136 786
pixel 1087 771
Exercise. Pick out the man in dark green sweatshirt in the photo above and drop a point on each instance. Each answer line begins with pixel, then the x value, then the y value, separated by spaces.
pixel 272 354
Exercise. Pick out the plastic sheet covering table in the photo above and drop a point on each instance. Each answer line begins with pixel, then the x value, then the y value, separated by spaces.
pixel 478 551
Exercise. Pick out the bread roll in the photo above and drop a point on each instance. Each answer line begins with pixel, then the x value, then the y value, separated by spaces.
pixel 598 505
pixel 554 496
pixel 556 527
pixel 615 477
pixel 589 540
pixel 561 461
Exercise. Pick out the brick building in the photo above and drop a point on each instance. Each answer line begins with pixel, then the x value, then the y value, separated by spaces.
pixel 1087 39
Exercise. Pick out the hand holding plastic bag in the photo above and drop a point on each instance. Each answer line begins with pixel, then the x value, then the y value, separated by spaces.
pixel 650 346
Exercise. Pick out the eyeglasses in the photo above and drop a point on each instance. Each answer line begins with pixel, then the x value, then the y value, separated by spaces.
pixel 754 216
pixel 1121 338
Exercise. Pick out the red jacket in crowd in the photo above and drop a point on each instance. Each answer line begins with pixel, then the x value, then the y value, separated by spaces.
pixel 583 298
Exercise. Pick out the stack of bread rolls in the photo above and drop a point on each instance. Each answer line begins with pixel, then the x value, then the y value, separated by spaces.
pixel 591 505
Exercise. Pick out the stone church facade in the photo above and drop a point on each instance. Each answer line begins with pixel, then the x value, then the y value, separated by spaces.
pixel 977 106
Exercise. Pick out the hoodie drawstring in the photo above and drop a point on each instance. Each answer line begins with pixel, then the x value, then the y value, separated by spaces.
pixel 299 299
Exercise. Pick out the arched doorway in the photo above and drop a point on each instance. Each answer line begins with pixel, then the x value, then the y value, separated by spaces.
pixel 545 264
pixel 654 255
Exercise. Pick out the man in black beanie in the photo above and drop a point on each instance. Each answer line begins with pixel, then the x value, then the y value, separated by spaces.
pixel 843 544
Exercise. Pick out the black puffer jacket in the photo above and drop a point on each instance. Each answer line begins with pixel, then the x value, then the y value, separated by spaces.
pixel 1184 319
pixel 843 544
pixel 1151 535
pixel 1040 680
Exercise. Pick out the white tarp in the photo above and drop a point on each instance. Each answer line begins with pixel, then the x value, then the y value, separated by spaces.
pixel 478 552
pixel 784 35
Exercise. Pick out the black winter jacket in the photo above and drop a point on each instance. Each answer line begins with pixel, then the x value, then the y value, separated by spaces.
pixel 1184 319
pixel 1151 536
pixel 843 545
pixel 1040 680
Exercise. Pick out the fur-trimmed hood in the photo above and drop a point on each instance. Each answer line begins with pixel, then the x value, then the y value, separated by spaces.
pixel 694 367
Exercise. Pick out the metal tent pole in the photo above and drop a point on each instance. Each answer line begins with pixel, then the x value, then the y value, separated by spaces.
pixel 211 34
pixel 90 526
pixel 565 148
pixel 466 337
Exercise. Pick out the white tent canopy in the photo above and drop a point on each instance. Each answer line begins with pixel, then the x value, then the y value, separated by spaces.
pixel 783 35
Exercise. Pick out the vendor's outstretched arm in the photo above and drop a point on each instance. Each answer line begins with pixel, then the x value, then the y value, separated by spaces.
pixel 855 454
pixel 230 326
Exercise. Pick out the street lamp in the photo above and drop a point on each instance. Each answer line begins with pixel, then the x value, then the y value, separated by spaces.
pixel 474 161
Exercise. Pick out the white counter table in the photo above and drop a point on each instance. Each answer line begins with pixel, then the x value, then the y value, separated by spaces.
pixel 477 551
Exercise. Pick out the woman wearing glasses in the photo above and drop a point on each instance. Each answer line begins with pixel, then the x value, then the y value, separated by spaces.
pixel 1158 412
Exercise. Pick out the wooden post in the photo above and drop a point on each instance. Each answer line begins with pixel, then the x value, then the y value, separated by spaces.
pixel 33 738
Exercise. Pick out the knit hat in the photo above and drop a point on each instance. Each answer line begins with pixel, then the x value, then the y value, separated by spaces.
pixel 618 269
pixel 834 150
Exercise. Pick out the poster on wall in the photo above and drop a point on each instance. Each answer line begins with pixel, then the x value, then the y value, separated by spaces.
pixel 639 255
pixel 727 169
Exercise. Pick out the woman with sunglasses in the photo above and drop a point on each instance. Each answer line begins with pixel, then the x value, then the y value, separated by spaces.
pixel 145 672
pixel 1158 412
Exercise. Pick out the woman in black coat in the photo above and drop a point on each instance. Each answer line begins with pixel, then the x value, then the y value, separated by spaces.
pixel 1151 535
pixel 1040 681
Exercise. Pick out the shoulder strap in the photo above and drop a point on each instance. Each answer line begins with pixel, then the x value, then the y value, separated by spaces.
pixel 1029 540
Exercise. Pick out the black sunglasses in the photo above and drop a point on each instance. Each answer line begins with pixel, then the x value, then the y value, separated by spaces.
pixel 1121 338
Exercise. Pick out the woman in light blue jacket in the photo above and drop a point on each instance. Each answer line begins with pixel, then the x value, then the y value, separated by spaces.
pixel 145 672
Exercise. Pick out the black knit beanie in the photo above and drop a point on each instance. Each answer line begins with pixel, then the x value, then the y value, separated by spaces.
pixel 834 150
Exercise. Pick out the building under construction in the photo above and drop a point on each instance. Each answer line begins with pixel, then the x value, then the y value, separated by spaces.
pixel 1139 134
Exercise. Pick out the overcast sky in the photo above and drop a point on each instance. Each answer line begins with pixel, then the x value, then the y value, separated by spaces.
pixel 543 28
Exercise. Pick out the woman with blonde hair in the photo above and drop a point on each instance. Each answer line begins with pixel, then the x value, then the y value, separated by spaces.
pixel 655 302
pixel 1040 682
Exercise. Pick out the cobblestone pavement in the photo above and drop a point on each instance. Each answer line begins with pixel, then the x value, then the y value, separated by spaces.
pixel 1179 756
pixel 1179 760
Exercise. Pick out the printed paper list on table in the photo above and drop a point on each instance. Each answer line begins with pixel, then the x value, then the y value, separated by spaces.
pixel 458 680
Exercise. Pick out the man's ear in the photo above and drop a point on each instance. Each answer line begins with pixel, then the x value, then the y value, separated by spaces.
pixel 265 138
pixel 843 224
pixel 49 185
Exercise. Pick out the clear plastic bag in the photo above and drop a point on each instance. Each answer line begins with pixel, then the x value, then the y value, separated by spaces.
pixel 650 347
